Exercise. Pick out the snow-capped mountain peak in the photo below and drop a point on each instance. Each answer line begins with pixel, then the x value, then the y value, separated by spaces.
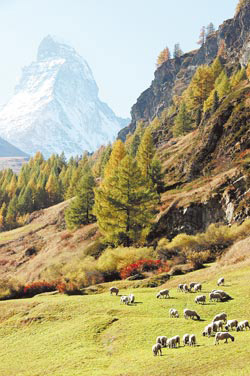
pixel 56 106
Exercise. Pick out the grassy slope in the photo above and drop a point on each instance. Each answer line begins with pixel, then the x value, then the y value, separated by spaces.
pixel 53 243
pixel 95 335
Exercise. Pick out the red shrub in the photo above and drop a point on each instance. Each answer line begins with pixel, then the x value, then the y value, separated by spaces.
pixel 157 266
pixel 34 288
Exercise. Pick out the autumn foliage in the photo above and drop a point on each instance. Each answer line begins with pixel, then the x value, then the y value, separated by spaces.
pixel 156 266
pixel 34 288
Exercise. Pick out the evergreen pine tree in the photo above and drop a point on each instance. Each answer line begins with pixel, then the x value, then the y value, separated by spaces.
pixel 117 154
pixel 215 101
pixel 125 210
pixel 198 117
pixel 54 189
pixel 210 29
pixel 177 50
pixel 11 215
pixel 80 210
pixel 25 203
pixel 146 153
pixel 3 212
pixel 238 77
pixel 135 144
pixel 222 85
pixel 183 121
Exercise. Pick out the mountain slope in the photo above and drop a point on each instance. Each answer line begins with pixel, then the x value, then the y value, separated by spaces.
pixel 56 106
pixel 8 150
pixel 173 76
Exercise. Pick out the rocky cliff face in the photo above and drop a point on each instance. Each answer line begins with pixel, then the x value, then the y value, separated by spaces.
pixel 56 106
pixel 173 76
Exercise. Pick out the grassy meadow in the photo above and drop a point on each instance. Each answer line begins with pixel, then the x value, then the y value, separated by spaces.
pixel 95 335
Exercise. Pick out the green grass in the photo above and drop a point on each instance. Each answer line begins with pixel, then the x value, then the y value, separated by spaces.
pixel 94 335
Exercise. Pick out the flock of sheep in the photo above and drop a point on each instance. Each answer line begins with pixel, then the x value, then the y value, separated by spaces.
pixel 216 326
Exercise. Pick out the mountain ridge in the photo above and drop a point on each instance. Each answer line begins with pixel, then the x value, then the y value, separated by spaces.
pixel 174 75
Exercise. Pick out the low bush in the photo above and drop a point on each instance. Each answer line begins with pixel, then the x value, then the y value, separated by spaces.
pixel 213 241
pixel 142 266
pixel 38 287
pixel 115 259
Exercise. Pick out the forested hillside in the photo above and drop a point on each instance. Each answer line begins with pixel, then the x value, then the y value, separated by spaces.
pixel 173 190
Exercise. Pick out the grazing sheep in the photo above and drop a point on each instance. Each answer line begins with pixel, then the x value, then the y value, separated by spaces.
pixel 157 349
pixel 162 340
pixel 215 327
pixel 222 335
pixel 190 314
pixel 215 296
pixel 243 325
pixel 231 324
pixel 208 330
pixel 185 339
pixel 131 298
pixel 192 284
pixel 163 293
pixel 224 296
pixel 171 342
pixel 197 287
pixel 177 340
pixel 192 340
pixel 173 313
pixel 114 290
pixel 200 299
pixel 185 288
pixel 220 281
pixel 219 324
pixel 221 316
pixel 124 299
pixel 180 287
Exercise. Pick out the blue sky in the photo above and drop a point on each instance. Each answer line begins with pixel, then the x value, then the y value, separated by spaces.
pixel 120 39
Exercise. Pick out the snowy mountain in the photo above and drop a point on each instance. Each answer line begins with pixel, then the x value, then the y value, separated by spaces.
pixel 8 150
pixel 56 106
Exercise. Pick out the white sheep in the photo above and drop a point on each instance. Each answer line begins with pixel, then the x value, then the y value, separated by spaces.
pixel 243 325
pixel 163 293
pixel 185 288
pixel 162 340
pixel 124 299
pixel 220 281
pixel 192 284
pixel 171 342
pixel 215 296
pixel 180 287
pixel 157 349
pixel 114 290
pixel 188 313
pixel 200 299
pixel 231 324
pixel 215 326
pixel 219 324
pixel 221 316
pixel 131 298
pixel 208 330
pixel 177 340
pixel 185 339
pixel 197 287
pixel 173 313
pixel 224 295
pixel 222 335
pixel 192 340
